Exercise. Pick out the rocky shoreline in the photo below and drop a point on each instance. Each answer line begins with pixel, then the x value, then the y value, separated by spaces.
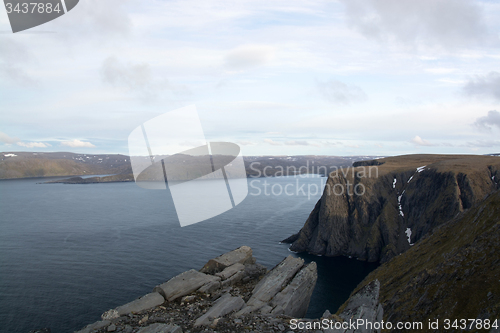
pixel 233 293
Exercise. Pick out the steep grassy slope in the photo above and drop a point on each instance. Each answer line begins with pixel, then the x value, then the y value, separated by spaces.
pixel 452 273
pixel 404 194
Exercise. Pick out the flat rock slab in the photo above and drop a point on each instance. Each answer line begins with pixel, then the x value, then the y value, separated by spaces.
pixel 160 328
pixel 242 255
pixel 294 300
pixel 184 284
pixel 144 303
pixel 275 280
pixel 230 271
pixel 224 305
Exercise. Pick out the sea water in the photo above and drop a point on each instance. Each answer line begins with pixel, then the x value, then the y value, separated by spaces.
pixel 70 252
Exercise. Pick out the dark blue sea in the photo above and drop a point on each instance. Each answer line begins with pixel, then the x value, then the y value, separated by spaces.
pixel 70 252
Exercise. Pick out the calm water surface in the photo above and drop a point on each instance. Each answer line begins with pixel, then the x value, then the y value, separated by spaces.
pixel 70 252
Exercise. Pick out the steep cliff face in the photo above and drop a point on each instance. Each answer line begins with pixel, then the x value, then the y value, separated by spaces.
pixel 375 212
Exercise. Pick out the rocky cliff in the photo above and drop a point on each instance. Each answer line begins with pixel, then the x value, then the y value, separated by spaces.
pixel 233 293
pixel 377 210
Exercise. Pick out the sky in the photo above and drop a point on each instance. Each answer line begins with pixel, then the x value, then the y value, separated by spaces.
pixel 346 77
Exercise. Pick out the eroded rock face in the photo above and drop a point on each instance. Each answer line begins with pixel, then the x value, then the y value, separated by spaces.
pixel 404 195
pixel 215 300
pixel 285 290
pixel 143 303
pixel 242 255
pixel 184 284
pixel 294 299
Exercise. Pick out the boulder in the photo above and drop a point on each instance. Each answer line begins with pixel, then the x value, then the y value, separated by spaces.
pixel 276 280
pixel 272 283
pixel 224 305
pixel 143 303
pixel 230 271
pixel 160 328
pixel 234 279
pixel 210 287
pixel 242 255
pixel 294 299
pixel 184 284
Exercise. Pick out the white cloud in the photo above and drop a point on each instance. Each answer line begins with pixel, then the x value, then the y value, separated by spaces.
pixel 246 143
pixel 483 144
pixel 13 60
pixel 340 93
pixel 77 144
pixel 447 24
pixel 301 143
pixel 137 78
pixel 440 70
pixel 488 121
pixel 484 86
pixel 96 20
pixel 421 142
pixel 248 56
pixel 272 142
pixel 4 138
pixel 34 144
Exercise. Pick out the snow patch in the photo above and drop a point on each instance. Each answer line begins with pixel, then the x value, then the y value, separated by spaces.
pixel 408 234
pixel 399 204
pixel 394 183
pixel 9 155
pixel 422 168
pixel 409 180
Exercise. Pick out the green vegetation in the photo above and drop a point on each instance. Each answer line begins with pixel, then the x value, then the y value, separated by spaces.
pixel 453 272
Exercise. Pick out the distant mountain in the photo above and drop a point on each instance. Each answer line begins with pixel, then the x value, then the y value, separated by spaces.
pixel 24 164
pixel 404 199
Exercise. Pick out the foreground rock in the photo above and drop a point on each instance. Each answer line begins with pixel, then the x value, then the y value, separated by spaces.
pixel 231 293
pixel 286 289
pixel 184 284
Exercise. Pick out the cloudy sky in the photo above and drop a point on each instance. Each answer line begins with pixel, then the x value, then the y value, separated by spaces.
pixel 346 77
